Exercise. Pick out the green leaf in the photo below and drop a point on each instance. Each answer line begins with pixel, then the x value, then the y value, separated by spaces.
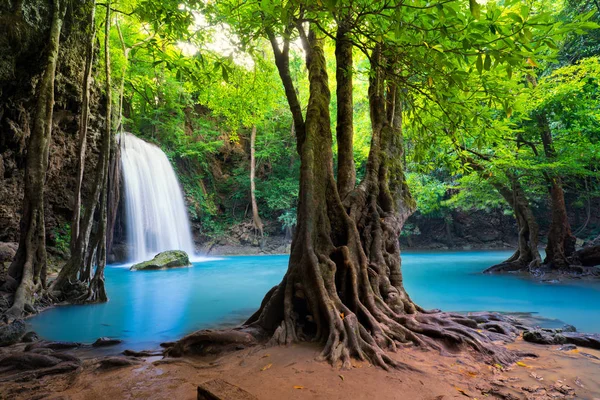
pixel 225 73
pixel 479 64
pixel 488 62
pixel 475 8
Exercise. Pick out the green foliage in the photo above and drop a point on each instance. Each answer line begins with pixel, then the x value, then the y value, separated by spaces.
pixel 62 237
pixel 199 75
pixel 429 193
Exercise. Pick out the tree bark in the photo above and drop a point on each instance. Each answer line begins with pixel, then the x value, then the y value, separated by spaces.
pixel 96 290
pixel 527 256
pixel 346 175
pixel 258 225
pixel 83 126
pixel 344 286
pixel 29 265
pixel 561 241
pixel 79 266
pixel 282 61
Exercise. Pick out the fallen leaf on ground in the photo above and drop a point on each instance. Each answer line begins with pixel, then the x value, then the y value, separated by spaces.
pixel 266 367
pixel 522 364
pixel 298 387
pixel 266 355
pixel 461 391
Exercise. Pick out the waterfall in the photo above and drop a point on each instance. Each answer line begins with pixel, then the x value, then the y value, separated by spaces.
pixel 156 217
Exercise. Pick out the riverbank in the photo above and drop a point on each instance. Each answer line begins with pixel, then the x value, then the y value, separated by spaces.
pixel 233 246
pixel 293 373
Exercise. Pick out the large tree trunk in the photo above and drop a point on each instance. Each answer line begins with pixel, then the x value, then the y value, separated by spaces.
pixel 29 265
pixel 83 126
pixel 258 225
pixel 346 176
pixel 344 285
pixel 561 241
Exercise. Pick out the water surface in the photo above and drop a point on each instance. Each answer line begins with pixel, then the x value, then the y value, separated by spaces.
pixel 149 307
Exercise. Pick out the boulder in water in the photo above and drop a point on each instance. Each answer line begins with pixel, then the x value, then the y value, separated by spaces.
pixel 164 260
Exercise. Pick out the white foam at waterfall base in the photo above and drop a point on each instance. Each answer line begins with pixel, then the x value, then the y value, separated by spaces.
pixel 156 216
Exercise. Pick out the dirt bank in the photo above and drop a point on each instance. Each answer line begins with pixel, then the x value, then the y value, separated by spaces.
pixel 292 373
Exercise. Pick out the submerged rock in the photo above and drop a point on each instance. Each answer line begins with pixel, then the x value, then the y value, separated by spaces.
pixel 164 260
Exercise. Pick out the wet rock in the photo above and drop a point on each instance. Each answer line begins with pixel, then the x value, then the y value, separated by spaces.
pixel 30 337
pixel 115 362
pixel 104 341
pixel 567 347
pixel 591 341
pixel 67 357
pixel 569 328
pixel 547 336
pixel 119 253
pixel 133 353
pixel 12 333
pixel 29 361
pixel 539 337
pixel 42 351
pixel 52 345
pixel 61 368
pixel 164 260
pixel 588 355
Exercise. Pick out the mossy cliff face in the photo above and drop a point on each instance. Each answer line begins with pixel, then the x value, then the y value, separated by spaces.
pixel 24 30
pixel 164 260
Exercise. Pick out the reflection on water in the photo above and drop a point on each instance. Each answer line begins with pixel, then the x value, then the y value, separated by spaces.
pixel 149 307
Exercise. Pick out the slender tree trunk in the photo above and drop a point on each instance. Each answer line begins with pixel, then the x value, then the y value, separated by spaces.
pixel 258 225
pixel 29 265
pixel 527 255
pixel 126 51
pixel 83 126
pixel 114 190
pixel 561 241
pixel 346 175
pixel 97 291
pixel 80 263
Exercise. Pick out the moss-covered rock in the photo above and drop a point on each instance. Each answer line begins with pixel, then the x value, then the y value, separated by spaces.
pixel 164 260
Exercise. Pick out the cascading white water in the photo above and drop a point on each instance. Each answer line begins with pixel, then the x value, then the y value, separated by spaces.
pixel 155 211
